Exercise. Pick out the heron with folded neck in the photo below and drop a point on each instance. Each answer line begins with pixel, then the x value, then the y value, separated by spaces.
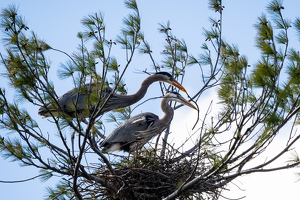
pixel 81 102
pixel 135 132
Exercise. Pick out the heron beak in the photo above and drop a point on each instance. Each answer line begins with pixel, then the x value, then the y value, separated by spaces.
pixel 187 103
pixel 178 85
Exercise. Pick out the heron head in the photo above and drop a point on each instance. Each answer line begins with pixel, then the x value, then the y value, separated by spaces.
pixel 175 96
pixel 168 78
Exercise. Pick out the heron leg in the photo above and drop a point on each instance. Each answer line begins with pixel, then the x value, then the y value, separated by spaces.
pixel 137 156
pixel 72 142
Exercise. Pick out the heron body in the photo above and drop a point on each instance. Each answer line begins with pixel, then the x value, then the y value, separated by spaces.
pixel 135 132
pixel 82 101
pixel 120 141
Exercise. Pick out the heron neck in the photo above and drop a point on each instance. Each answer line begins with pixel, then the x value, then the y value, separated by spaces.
pixel 167 109
pixel 133 98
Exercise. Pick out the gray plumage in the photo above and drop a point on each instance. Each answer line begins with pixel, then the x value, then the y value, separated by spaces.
pixel 135 132
pixel 86 101
pixel 82 102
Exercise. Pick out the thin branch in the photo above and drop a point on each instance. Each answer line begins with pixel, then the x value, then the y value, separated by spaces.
pixel 24 180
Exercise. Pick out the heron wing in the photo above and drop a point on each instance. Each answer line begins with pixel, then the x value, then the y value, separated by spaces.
pixel 82 100
pixel 129 131
pixel 76 98
pixel 145 120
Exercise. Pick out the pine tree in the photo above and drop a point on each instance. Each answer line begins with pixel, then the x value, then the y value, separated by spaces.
pixel 256 103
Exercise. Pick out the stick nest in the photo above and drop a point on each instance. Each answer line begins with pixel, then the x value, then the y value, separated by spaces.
pixel 151 178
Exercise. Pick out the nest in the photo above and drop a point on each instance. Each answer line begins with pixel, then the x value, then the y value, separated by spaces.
pixel 150 178
pixel 153 181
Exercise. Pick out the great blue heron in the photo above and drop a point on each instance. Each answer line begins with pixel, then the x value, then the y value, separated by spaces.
pixel 135 132
pixel 86 99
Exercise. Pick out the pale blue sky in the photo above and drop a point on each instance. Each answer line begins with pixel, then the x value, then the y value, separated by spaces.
pixel 59 21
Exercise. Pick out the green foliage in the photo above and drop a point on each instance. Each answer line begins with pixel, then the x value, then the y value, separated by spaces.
pixel 293 69
pixel 176 55
pixel 119 116
pixel 130 34
pixel 274 8
pixel 26 65
pixel 264 35
pixel 45 175
pixel 211 34
pixel 145 47
pixel 113 65
pixel 297 26
pixel 215 5
pixel 15 150
pixel 264 74
pixel 66 70
pixel 235 88
pixel 62 191
pixel 281 37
